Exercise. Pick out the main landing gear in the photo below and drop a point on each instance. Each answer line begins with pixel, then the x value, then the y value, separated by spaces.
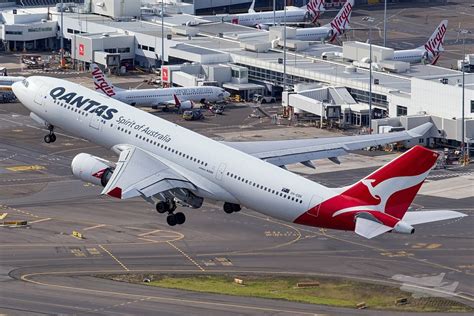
pixel 169 206
pixel 231 207
pixel 51 137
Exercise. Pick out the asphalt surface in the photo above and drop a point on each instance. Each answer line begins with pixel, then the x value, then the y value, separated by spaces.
pixel 45 270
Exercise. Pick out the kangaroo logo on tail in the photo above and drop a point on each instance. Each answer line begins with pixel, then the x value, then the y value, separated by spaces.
pixel 434 45
pixel 341 22
pixel 315 8
pixel 101 82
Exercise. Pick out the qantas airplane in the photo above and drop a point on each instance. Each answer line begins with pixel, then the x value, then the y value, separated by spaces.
pixel 263 20
pixel 338 26
pixel 182 98
pixel 165 164
pixel 429 52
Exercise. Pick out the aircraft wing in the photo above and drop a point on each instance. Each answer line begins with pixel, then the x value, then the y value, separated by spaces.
pixel 284 152
pixel 138 173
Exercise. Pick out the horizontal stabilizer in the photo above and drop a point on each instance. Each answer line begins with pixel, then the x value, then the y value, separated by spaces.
pixel 420 217
pixel 370 228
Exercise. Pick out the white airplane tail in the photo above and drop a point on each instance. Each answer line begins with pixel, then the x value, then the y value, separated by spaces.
pixel 252 7
pixel 341 22
pixel 434 46
pixel 101 83
pixel 314 9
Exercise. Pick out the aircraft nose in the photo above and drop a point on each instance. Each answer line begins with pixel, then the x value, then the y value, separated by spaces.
pixel 226 94
pixel 16 88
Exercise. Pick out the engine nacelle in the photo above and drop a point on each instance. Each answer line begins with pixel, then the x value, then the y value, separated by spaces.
pixel 262 27
pixel 403 228
pixel 92 169
pixel 185 105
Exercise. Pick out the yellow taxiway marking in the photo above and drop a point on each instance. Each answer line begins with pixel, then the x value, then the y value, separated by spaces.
pixel 3 215
pixel 40 220
pixel 26 168
pixel 93 251
pixel 422 245
pixel 78 252
pixel 149 233
pixel 93 227
pixel 188 257
pixel 115 258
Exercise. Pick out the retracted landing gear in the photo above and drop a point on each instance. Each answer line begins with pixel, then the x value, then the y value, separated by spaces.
pixel 231 207
pixel 169 206
pixel 51 137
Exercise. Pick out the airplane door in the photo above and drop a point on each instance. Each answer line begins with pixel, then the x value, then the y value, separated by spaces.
pixel 95 122
pixel 220 171
pixel 315 202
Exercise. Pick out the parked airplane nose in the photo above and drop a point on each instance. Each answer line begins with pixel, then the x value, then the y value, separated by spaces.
pixel 17 87
pixel 226 94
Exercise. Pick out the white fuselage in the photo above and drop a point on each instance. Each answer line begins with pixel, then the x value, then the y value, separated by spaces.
pixel 220 172
pixel 313 33
pixel 409 55
pixel 294 15
pixel 9 80
pixel 154 97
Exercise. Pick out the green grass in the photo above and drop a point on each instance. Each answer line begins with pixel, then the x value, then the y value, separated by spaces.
pixel 332 291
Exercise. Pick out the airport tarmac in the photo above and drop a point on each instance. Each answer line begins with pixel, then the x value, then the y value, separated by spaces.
pixel 45 270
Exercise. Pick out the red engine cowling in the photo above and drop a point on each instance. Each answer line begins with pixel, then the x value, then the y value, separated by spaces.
pixel 92 169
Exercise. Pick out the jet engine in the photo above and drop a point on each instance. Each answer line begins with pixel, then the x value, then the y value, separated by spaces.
pixel 262 27
pixel 403 228
pixel 185 105
pixel 92 169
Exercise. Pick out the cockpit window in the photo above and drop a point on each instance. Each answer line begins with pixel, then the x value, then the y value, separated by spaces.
pixel 25 83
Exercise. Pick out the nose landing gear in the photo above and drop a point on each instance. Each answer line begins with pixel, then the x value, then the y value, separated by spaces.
pixel 51 137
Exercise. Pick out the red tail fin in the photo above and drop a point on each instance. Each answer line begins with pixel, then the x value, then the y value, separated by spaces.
pixel 393 187
pixel 177 103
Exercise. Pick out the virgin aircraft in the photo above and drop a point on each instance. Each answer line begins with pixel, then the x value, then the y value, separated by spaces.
pixel 337 27
pixel 165 164
pixel 156 97
pixel 429 52
pixel 263 20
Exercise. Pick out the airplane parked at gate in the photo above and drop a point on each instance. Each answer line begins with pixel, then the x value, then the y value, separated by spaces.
pixel 263 20
pixel 156 97
pixel 337 27
pixel 164 163
pixel 429 52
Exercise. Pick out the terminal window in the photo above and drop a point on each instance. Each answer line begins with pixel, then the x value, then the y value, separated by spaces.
pixel 401 110
pixel 472 106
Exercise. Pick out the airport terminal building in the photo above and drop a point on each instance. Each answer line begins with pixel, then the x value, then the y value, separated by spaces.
pixel 320 78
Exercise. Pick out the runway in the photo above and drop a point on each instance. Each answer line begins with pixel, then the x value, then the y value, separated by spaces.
pixel 46 270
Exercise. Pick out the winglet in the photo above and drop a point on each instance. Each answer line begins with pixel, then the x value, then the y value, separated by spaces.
pixel 420 131
pixel 115 192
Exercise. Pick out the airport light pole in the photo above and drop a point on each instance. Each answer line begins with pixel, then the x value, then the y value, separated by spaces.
pixel 284 47
pixel 463 141
pixel 370 20
pixel 162 32
pixel 385 24
pixel 274 12
pixel 62 37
